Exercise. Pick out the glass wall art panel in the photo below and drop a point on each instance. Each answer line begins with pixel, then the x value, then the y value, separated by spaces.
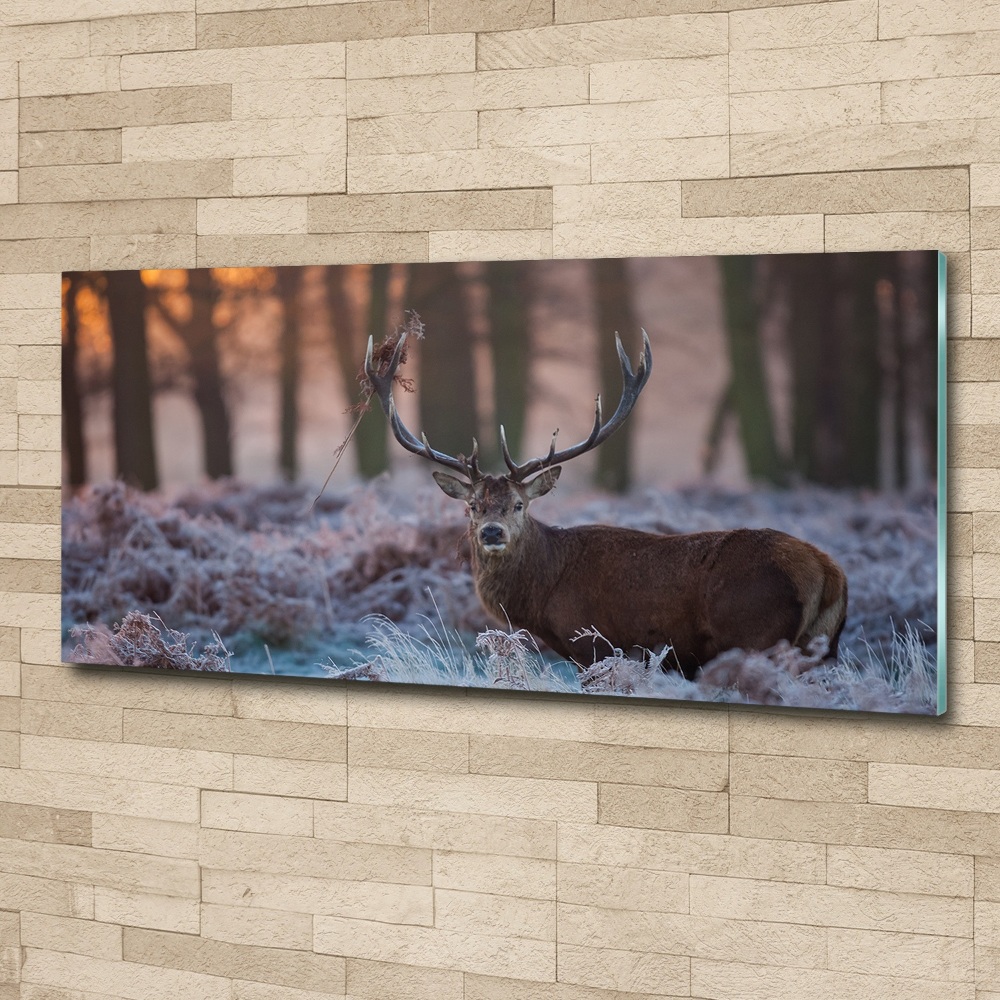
pixel 691 479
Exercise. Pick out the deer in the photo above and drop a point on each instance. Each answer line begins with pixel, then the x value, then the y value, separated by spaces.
pixel 593 590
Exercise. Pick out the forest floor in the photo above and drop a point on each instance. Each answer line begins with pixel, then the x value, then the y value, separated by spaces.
pixel 372 584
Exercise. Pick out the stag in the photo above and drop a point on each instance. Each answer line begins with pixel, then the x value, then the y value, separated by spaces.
pixel 588 590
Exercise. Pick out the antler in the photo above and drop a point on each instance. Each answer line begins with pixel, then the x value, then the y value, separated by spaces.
pixel 382 386
pixel 632 383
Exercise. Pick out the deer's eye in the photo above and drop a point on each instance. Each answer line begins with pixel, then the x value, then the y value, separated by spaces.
pixel 519 507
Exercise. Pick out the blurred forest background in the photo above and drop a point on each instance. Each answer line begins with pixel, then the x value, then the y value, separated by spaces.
pixel 776 370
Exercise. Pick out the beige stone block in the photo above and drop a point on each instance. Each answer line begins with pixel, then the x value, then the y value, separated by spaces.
pixel 986 532
pixel 916 955
pixel 605 123
pixel 692 935
pixel 507 244
pixel 148 251
pixel 112 181
pixel 737 857
pixel 71 721
pixel 973 704
pixel 251 216
pixel 799 778
pixel 302 970
pixel 973 489
pixel 33 11
pixel 664 808
pixel 543 758
pixel 481 91
pixel 626 724
pixel 115 869
pixel 887 191
pixel 530 798
pixel 623 888
pixel 40 149
pixel 413 56
pixel 294 99
pixel 900 18
pixel 24 292
pixel 388 981
pixel 70 934
pixel 960 580
pixel 413 133
pixel 689 237
pixel 275 251
pixel 29 256
pixel 987 662
pixel 78 791
pixel 939 99
pixel 127 980
pixel 595 202
pixel 487 15
pixel 27 609
pixel 259 737
pixel 984 184
pixel 660 160
pixel 10 712
pixel 459 210
pixel 52 825
pixel 224 140
pixel 360 862
pixel 270 175
pixel 289 702
pixel 753 899
pixel 984 221
pixel 10 687
pixel 384 902
pixel 39 468
pixel 142 909
pixel 407 750
pixel 21 541
pixel 985 320
pixel 10 750
pixel 86 75
pixel 465 832
pixel 29 326
pixel 806 24
pixel 316 59
pixel 974 361
pixel 864 147
pixel 682 35
pixel 116 109
pixel 900 871
pixel 45 41
pixel 946 231
pixel 39 432
pixel 735 981
pixel 330 23
pixel 652 79
pixel 142 33
pixel 8 187
pixel 140 835
pixel 243 990
pixel 487 913
pixel 43 895
pixel 519 958
pixel 123 760
pixel 8 467
pixel 257 813
pixel 210 695
pixel 530 878
pixel 8 135
pixel 611 969
pixel 301 778
pixel 8 80
pixel 865 825
pixel 985 267
pixel 256 926
pixel 986 575
pixel 40 645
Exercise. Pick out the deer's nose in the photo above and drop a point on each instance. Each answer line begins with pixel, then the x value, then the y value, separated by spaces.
pixel 491 534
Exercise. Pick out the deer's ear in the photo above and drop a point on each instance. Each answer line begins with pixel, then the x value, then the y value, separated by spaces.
pixel 542 483
pixel 452 486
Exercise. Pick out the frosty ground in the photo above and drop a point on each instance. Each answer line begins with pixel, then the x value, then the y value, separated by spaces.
pixel 374 584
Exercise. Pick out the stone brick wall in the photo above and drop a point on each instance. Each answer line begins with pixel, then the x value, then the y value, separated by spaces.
pixel 212 838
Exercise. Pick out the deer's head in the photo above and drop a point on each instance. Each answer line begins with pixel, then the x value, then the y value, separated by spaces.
pixel 498 505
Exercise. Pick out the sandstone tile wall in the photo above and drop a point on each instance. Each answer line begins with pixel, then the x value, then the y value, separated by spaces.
pixel 209 838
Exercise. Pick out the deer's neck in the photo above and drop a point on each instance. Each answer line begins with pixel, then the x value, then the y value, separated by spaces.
pixel 515 584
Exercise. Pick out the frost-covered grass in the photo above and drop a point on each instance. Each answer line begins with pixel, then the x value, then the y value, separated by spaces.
pixel 373 585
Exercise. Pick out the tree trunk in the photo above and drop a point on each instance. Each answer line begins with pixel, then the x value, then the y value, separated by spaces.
pixel 615 315
pixel 72 406
pixel 447 377
pixel 750 398
pixel 510 342
pixel 133 415
pixel 289 280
